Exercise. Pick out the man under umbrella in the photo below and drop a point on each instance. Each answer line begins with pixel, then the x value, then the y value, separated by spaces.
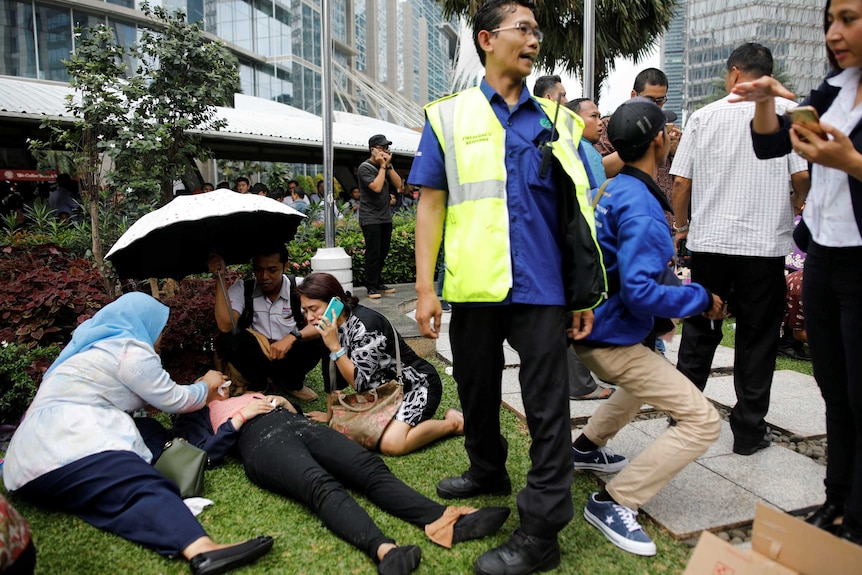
pixel 264 334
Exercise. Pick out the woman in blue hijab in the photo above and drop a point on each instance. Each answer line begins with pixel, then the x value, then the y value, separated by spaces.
pixel 79 450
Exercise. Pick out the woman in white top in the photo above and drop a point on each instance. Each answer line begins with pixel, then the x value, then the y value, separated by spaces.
pixel 78 448
pixel 832 229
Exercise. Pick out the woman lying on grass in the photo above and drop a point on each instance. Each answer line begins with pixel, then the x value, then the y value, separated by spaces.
pixel 287 454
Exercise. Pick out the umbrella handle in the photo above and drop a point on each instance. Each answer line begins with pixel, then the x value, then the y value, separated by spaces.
pixel 221 284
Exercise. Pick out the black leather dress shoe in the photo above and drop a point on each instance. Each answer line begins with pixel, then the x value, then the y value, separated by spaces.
pixel 751 450
pixel 850 534
pixel 520 555
pixel 224 560
pixel 479 524
pixel 465 486
pixel 826 515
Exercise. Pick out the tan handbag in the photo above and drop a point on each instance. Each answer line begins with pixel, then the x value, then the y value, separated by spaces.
pixel 364 415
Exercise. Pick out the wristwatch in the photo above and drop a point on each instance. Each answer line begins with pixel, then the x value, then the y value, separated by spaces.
pixel 336 354
pixel 683 228
pixel 297 334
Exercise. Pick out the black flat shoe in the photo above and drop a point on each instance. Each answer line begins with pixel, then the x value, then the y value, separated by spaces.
pixel 465 486
pixel 520 555
pixel 762 444
pixel 851 535
pixel 224 560
pixel 826 515
pixel 479 524
pixel 400 561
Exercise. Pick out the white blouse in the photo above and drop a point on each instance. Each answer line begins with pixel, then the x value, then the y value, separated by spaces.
pixel 828 210
pixel 83 407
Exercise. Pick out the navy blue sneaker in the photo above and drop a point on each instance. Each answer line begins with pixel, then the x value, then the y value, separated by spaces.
pixel 619 525
pixel 602 459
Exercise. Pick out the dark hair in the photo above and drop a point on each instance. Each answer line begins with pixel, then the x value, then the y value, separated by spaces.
pixel 833 62
pixel 268 250
pixel 223 186
pixel 66 182
pixel 751 59
pixel 632 155
pixel 652 76
pixel 575 105
pixel 299 192
pixel 323 286
pixel 259 187
pixel 207 184
pixel 544 85
pixel 489 16
pixel 292 182
pixel 243 179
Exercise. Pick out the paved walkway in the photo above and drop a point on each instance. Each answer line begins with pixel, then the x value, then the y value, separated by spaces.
pixel 720 490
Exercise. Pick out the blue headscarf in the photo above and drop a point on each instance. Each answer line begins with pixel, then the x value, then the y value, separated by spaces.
pixel 132 316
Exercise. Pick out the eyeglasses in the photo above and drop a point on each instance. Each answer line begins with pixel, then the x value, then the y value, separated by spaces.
pixel 523 28
pixel 658 101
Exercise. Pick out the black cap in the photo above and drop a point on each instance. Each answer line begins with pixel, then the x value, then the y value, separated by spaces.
pixel 378 140
pixel 636 122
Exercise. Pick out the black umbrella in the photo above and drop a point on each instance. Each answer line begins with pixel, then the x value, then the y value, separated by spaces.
pixel 177 239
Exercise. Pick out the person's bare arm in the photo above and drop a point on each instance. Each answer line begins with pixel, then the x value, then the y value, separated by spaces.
pixel 801 183
pixel 612 164
pixel 762 92
pixel 223 312
pixel 430 214
pixel 681 194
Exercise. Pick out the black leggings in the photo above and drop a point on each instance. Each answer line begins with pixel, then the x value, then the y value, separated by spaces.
pixel 309 462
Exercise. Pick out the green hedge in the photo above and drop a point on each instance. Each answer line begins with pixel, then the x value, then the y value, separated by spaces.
pixel 400 264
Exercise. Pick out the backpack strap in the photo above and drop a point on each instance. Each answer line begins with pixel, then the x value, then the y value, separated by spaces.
pixel 600 192
pixel 247 315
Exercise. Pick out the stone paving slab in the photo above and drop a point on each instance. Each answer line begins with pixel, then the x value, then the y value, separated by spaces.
pixel 722 446
pixel 723 358
pixel 787 480
pixel 795 404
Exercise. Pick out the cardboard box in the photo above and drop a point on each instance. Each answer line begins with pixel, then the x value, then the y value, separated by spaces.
pixel 780 545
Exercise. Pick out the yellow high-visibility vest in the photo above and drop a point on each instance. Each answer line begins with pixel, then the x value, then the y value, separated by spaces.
pixel 477 243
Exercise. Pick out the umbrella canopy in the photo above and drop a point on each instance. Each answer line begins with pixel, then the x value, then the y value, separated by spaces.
pixel 176 240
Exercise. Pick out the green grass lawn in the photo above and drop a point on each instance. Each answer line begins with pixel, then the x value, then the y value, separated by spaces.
pixel 303 545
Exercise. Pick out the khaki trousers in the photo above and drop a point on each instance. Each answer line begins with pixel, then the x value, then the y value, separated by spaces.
pixel 645 377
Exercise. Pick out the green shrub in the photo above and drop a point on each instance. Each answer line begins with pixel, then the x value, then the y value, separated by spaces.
pixel 400 264
pixel 21 370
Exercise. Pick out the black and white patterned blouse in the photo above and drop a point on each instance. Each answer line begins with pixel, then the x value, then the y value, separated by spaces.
pixel 368 338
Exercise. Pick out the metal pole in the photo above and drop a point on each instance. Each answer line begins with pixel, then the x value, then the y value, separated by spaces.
pixel 589 49
pixel 326 93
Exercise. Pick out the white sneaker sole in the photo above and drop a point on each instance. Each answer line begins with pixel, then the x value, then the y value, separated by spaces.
pixel 635 547
pixel 601 467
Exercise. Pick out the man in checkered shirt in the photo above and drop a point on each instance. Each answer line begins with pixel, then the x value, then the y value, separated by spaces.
pixel 739 233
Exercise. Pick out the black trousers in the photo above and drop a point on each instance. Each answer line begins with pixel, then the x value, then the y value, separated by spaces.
pixel 758 303
pixel 538 334
pixel 377 240
pixel 287 374
pixel 832 298
pixel 315 465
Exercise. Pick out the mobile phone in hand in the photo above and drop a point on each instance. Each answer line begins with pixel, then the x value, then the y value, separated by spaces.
pixel 808 117
pixel 335 305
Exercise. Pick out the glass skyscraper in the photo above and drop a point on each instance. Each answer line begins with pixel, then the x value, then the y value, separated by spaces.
pixel 390 57
pixel 791 29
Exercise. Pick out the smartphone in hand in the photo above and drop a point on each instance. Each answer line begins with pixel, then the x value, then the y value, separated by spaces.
pixel 808 117
pixel 335 305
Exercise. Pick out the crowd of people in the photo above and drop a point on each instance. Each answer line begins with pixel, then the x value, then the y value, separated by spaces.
pixel 581 221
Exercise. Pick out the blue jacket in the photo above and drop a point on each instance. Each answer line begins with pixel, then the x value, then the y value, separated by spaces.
pixel 632 232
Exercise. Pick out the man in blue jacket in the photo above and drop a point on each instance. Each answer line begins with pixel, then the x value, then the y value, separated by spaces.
pixel 632 232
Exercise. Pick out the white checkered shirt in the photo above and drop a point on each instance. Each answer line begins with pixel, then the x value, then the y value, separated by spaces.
pixel 740 205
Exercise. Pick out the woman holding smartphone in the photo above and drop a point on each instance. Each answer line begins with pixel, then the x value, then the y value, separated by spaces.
pixel 361 342
pixel 831 233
